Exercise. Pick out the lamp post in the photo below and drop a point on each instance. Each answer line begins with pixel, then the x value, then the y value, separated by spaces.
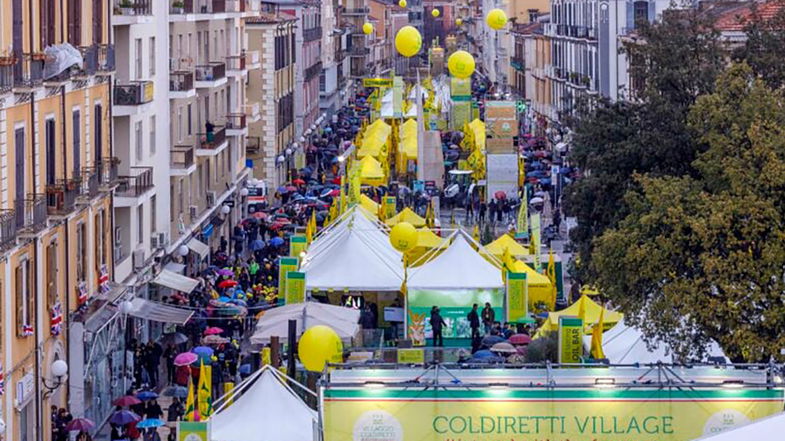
pixel 59 370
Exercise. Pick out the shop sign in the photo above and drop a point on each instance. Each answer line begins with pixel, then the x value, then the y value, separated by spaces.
pixel 191 431
pixel 411 356
pixel 25 389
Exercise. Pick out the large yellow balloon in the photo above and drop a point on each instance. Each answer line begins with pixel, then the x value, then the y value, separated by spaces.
pixel 319 345
pixel 496 19
pixel 435 12
pixel 461 64
pixel 408 41
pixel 458 22
pixel 403 236
pixel 402 3
pixel 367 28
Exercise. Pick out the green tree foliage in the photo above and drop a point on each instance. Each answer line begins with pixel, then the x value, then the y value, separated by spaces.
pixel 702 257
pixel 765 45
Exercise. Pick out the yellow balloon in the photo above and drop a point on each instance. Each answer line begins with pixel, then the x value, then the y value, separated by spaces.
pixel 408 41
pixel 367 28
pixel 435 12
pixel 319 345
pixel 461 64
pixel 403 236
pixel 458 22
pixel 402 3
pixel 496 19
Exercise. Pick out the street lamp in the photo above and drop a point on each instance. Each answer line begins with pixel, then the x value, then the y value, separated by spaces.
pixel 225 209
pixel 243 192
pixel 59 370
pixel 301 139
pixel 182 250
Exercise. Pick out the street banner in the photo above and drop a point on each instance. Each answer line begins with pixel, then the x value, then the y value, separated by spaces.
pixel 411 356
pixel 294 290
pixel 377 82
pixel 460 87
pixel 191 431
pixel 397 97
pixel 536 240
pixel 297 244
pixel 517 297
pixel 285 264
pixel 539 413
pixel 389 206
pixel 570 339
pixel 460 113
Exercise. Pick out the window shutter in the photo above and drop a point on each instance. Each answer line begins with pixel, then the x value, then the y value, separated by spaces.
pixel 19 299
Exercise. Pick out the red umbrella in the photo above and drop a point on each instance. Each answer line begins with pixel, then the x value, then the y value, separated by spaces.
pixel 259 215
pixel 298 182
pixel 213 330
pixel 520 339
pixel 334 193
pixel 227 283
pixel 337 180
pixel 500 195
pixel 127 400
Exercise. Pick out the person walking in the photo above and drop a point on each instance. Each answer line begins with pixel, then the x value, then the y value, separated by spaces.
pixel 437 323
pixel 474 322
pixel 481 211
pixel 169 355
pixel 492 207
pixel 488 317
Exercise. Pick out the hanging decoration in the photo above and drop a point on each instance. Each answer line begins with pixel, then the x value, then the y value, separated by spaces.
pixel 56 319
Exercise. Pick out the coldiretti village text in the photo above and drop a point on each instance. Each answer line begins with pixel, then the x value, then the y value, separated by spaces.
pixel 533 424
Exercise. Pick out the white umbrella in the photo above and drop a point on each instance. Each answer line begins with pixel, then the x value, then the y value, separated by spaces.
pixel 344 321
pixel 537 200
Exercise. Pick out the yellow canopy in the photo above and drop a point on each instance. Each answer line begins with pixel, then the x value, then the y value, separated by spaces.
pixel 504 241
pixel 409 139
pixel 375 139
pixel 478 130
pixel 369 204
pixel 406 215
pixel 591 315
pixel 371 171
pixel 540 286
pixel 428 239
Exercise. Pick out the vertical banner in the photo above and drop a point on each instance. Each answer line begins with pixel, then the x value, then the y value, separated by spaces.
pixel 389 206
pixel 297 244
pixel 228 387
pixel 285 264
pixel 397 97
pixel 517 297
pixel 294 289
pixel 536 241
pixel 192 431
pixel 570 339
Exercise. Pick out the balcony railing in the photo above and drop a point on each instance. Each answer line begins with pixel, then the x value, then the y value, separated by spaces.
pixel 182 7
pixel 133 7
pixel 29 71
pixel 235 6
pixel 6 74
pixel 312 34
pixel 61 197
pixel 134 94
pixel 355 11
pixel 209 141
pixel 182 156
pixel 218 6
pixel 236 121
pixel 7 228
pixel 253 145
pixel 359 51
pixel 181 81
pixel 210 72
pixel 31 213
pixel 90 180
pixel 235 62
pixel 90 57
pixel 135 185
pixel 107 171
pixel 106 58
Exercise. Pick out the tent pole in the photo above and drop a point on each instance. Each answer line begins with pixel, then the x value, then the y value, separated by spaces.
pixel 292 340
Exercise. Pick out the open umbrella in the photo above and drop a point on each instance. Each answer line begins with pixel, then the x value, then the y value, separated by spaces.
pixel 213 330
pixel 483 354
pixel 185 359
pixel 503 348
pixel 298 182
pixel 225 272
pixel 203 351
pixel 176 391
pixel 174 338
pixel 149 423
pixel 127 400
pixel 257 245
pixel 520 339
pixel 79 425
pixel 500 195
pixel 214 340
pixel 227 283
pixel 276 241
pixel 491 340
pixel 259 215
pixel 147 395
pixel 123 417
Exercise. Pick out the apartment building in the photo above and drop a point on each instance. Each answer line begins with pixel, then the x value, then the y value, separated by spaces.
pixel 382 44
pixel 57 174
pixel 356 13
pixel 332 81
pixel 530 61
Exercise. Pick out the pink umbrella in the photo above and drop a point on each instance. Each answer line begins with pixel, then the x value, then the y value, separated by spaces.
pixel 213 330
pixel 185 359
pixel 520 339
pixel 127 400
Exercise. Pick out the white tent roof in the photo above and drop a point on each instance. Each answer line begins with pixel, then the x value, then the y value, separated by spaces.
pixel 267 411
pixel 768 428
pixel 177 282
pixel 275 322
pixel 354 254
pixel 624 344
pixel 459 266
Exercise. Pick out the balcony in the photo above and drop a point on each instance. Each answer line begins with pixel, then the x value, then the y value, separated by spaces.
pixel 131 12
pixel 252 112
pixel 235 6
pixel 88 189
pixel 61 197
pixel 235 65
pixel 314 71
pixel 211 144
pixel 90 65
pixel 253 60
pixel 236 124
pixel 180 8
pixel 130 99
pixel 7 229
pixel 107 174
pixel 31 214
pixel 105 59
pixel 6 74
pixel 355 11
pixel 358 51
pixel 182 160
pixel 210 75
pixel 181 85
pixel 253 145
pixel 312 34
pixel 136 184
pixel 28 72
pixel 215 6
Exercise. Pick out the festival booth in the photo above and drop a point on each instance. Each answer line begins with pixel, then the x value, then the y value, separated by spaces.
pixel 371 172
pixel 765 429
pixel 264 408
pixel 274 322
pixel 506 242
pixel 375 140
pixel 624 344
pixel 586 309
pixel 407 145
pixel 453 281
pixel 540 288
pixel 406 215
pixel 427 242
pixel 369 204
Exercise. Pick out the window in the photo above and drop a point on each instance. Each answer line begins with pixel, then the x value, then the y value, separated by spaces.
pixel 179 123
pixel 81 252
pixel 139 143
pixel 153 213
pixel 641 13
pixel 51 274
pixel 152 56
pixel 47 23
pixel 138 58
pixel 152 135
pixel 190 120
pixel 24 297
pixel 140 224
pixel 77 141
pixel 100 239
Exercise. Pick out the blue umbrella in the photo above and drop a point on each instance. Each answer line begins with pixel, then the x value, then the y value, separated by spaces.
pixel 491 340
pixel 123 417
pixel 483 354
pixel 147 395
pixel 203 351
pixel 176 391
pixel 282 189
pixel 276 241
pixel 245 369
pixel 238 302
pixel 224 299
pixel 149 423
pixel 257 245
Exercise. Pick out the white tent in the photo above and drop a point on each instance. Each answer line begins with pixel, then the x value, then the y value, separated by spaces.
pixel 624 344
pixel 458 267
pixel 354 254
pixel 275 322
pixel 267 411
pixel 769 428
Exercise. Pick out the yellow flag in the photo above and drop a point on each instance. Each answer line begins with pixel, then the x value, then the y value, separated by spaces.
pixel 429 216
pixel 205 392
pixel 582 309
pixel 522 223
pixel 476 233
pixel 551 271
pixel 596 337
pixel 190 406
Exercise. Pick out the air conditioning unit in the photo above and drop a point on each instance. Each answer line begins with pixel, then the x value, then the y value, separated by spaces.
pixel 117 236
pixel 159 240
pixel 193 211
pixel 163 239
pixel 138 259
pixel 210 198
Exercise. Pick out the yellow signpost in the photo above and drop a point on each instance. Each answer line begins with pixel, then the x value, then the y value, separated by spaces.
pixel 411 356
pixel 517 297
pixel 377 82
pixel 295 287
pixel 570 339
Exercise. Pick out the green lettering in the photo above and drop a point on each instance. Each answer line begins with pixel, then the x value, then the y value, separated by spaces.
pixel 646 426
pixel 667 424
pixel 461 421
pixel 483 428
pixel 523 424
pixel 616 426
pixel 602 425
pixel 582 427
pixel 633 425
pixel 509 424
pixel 436 429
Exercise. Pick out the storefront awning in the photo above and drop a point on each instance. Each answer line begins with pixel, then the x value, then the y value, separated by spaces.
pixel 198 247
pixel 175 267
pixel 176 281
pixel 159 312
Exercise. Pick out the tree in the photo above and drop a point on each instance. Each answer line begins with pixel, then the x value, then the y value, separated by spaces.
pixel 703 257
pixel 765 43
pixel 677 60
